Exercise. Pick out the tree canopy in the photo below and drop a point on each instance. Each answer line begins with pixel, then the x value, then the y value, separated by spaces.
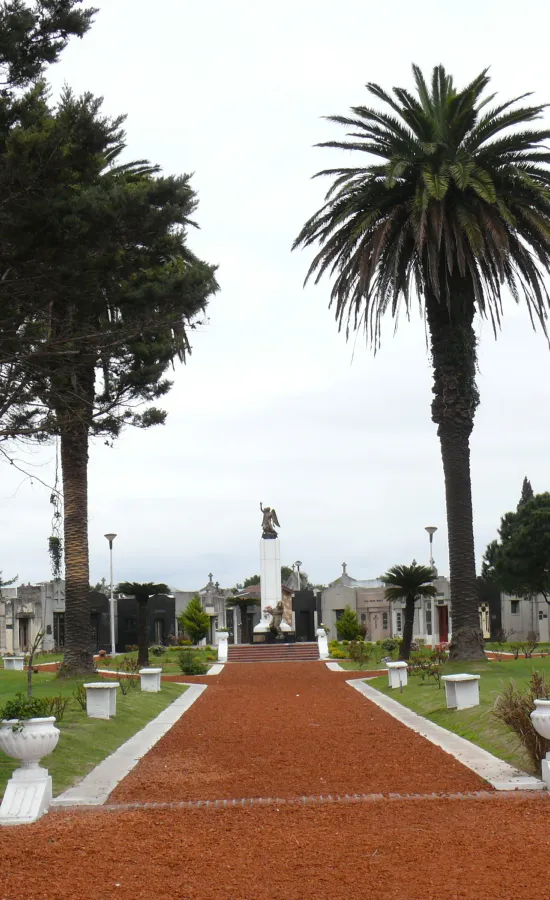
pixel 408 583
pixel 194 621
pixel 519 562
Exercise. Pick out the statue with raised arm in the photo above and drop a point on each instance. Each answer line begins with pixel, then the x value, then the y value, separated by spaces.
pixel 269 520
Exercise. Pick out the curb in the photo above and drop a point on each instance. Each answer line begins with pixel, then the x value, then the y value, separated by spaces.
pixel 500 775
pixel 96 787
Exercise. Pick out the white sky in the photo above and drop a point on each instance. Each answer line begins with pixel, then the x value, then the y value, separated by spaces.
pixel 274 405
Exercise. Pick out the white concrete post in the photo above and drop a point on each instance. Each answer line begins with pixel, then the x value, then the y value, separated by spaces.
pixel 223 637
pixel 150 680
pixel 101 699
pixel 322 642
pixel 397 674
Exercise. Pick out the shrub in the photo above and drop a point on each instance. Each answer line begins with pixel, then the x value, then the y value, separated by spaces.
pixel 389 645
pixel 207 648
pixel 191 665
pixel 530 644
pixel 338 654
pixel 347 626
pixel 516 647
pixel 514 708
pixel 360 652
pixel 131 648
pixel 56 706
pixel 157 650
pixel 79 694
pixel 211 657
pixel 21 707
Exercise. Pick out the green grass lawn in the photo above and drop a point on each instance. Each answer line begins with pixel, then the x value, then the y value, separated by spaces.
pixel 477 724
pixel 83 742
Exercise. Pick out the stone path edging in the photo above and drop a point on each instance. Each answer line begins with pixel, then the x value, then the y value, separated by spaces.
pixel 96 787
pixel 319 800
pixel 499 774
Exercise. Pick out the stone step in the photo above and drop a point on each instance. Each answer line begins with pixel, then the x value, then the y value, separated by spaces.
pixel 302 652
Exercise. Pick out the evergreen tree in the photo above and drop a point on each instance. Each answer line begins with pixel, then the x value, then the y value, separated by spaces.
pixel 194 621
pixel 33 36
pixel 347 626
pixel 526 492
pixel 519 562
pixel 102 291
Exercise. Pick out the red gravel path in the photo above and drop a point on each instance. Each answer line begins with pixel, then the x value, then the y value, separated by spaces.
pixel 421 850
pixel 285 730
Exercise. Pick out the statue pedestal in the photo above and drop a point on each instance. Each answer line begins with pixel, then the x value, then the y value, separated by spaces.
pixel 270 577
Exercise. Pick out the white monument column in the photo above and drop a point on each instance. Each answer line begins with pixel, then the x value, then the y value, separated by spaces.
pixel 270 580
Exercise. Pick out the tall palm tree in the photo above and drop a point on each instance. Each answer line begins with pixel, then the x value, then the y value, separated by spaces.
pixel 409 583
pixel 454 209
pixel 142 592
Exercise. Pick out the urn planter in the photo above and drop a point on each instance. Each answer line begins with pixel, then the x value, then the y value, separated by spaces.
pixel 540 717
pixel 29 791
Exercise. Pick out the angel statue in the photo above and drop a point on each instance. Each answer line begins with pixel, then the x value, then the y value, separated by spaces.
pixel 269 520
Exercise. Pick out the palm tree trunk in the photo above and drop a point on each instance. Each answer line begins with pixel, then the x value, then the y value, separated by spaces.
pixel 407 628
pixel 78 656
pixel 142 637
pixel 453 344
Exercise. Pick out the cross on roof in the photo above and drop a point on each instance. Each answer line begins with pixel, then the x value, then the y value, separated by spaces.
pixel 344 568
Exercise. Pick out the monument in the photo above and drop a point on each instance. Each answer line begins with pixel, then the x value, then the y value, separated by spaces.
pixel 272 609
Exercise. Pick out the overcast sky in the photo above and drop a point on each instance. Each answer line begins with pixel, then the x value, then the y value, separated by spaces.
pixel 274 405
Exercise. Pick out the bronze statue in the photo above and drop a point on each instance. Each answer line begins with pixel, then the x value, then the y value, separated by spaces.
pixel 269 520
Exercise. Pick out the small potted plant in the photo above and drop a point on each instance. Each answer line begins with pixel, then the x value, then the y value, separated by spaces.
pixel 26 733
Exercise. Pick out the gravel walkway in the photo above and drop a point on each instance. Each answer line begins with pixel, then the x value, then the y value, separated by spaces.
pixel 287 730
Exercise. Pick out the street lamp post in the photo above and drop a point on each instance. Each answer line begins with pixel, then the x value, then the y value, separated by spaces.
pixel 298 563
pixel 431 529
pixel 110 538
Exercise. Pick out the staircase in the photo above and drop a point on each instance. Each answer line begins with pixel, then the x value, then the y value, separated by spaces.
pixel 277 652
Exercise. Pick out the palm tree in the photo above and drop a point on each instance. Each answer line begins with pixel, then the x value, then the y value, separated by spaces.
pixel 142 592
pixel 409 583
pixel 455 208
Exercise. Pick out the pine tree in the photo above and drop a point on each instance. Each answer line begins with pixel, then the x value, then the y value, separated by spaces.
pixel 194 620
pixel 79 360
pixel 526 493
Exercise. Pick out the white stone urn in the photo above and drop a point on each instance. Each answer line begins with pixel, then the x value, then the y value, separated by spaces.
pixel 222 638
pixel 29 791
pixel 540 717
pixel 322 643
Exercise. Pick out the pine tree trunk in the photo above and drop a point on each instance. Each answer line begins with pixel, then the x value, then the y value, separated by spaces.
pixel 142 636
pixel 453 344
pixel 407 628
pixel 78 656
